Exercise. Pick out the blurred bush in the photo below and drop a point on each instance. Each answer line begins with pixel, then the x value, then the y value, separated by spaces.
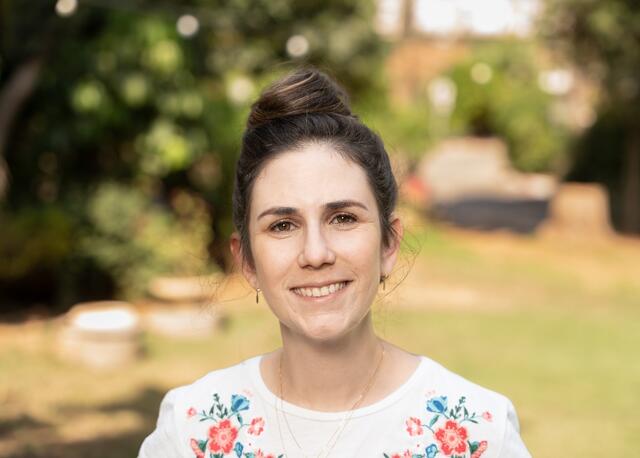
pixel 125 123
pixel 22 253
pixel 135 239
pixel 601 38
pixel 498 94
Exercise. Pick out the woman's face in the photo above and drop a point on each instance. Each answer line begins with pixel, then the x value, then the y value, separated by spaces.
pixel 316 242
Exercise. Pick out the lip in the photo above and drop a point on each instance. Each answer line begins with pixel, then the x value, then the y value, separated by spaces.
pixel 320 285
pixel 326 297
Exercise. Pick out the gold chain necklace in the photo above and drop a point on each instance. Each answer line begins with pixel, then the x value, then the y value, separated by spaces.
pixel 333 439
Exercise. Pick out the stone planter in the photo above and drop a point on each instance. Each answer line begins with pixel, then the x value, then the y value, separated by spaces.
pixel 183 289
pixel 100 335
pixel 182 306
pixel 182 320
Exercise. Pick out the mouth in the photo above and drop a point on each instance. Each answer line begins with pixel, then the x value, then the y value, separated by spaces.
pixel 320 291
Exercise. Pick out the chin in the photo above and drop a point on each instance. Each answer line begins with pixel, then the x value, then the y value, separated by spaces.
pixel 327 331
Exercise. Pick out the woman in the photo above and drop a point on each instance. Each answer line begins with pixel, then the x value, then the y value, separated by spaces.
pixel 316 237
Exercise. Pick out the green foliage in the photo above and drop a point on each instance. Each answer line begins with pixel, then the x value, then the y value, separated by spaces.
pixel 504 100
pixel 33 239
pixel 123 98
pixel 589 164
pixel 602 38
pixel 136 239
pixel 406 130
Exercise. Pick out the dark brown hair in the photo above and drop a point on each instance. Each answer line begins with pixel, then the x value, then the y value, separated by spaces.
pixel 308 106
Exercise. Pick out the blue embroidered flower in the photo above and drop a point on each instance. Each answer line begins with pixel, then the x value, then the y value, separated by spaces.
pixel 238 449
pixel 431 451
pixel 437 405
pixel 239 403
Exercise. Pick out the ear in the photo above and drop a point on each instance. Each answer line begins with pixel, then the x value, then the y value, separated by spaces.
pixel 390 252
pixel 236 250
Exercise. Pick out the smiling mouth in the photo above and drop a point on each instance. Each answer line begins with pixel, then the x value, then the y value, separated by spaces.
pixel 320 291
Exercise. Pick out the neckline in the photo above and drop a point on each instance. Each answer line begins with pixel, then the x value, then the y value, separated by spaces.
pixel 253 366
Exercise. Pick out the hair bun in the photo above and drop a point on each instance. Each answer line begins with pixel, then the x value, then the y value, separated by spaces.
pixel 304 91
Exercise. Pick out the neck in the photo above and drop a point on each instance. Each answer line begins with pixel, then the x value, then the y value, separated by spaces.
pixel 342 367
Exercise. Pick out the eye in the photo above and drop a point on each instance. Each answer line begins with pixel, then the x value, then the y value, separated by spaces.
pixel 281 226
pixel 344 218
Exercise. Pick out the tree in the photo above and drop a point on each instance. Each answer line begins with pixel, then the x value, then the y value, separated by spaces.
pixel 602 37
pixel 116 94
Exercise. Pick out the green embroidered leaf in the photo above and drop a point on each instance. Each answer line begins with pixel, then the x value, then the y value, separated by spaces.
pixel 202 445
pixel 239 417
pixel 473 446
pixel 433 420
pixel 466 412
pixel 385 455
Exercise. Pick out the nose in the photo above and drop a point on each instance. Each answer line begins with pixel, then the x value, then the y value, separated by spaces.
pixel 316 251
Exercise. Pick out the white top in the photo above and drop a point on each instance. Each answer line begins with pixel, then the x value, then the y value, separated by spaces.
pixel 435 413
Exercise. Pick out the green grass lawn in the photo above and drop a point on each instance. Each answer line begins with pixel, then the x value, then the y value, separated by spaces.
pixel 563 349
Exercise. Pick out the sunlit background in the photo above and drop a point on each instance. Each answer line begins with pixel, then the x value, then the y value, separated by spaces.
pixel 514 130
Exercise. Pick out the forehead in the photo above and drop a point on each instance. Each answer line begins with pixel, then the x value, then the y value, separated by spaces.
pixel 310 176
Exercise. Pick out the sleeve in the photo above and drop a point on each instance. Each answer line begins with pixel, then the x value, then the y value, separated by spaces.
pixel 164 441
pixel 512 444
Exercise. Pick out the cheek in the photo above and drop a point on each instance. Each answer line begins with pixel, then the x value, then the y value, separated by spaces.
pixel 361 249
pixel 273 258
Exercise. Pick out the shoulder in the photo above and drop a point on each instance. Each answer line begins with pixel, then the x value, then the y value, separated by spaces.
pixel 438 380
pixel 452 405
pixel 232 378
pixel 217 395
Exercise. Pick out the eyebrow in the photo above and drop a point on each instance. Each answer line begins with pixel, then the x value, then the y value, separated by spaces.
pixel 331 206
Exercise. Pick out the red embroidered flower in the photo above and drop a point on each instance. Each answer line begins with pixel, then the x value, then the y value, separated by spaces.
pixel 257 426
pixel 260 454
pixel 406 454
pixel 196 449
pixel 452 438
pixel 487 416
pixel 481 448
pixel 191 412
pixel 222 436
pixel 414 426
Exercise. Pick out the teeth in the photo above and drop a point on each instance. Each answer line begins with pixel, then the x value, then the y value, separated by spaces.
pixel 320 292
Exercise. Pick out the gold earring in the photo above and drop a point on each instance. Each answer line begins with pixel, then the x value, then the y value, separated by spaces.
pixel 257 295
pixel 383 281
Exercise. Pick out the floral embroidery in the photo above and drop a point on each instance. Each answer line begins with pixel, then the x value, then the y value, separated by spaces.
pixel 259 454
pixel 414 426
pixel 446 426
pixel 257 426
pixel 222 437
pixel 406 454
pixel 196 447
pixel 452 438
pixel 482 446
